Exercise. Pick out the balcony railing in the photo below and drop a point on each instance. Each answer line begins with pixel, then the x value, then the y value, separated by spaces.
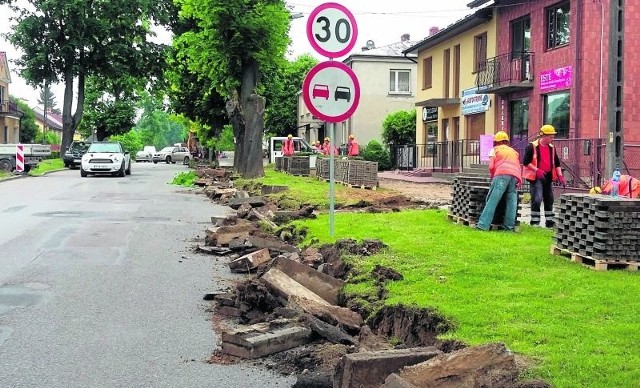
pixel 506 72
pixel 9 107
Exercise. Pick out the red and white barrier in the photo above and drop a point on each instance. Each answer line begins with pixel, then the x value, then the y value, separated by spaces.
pixel 19 158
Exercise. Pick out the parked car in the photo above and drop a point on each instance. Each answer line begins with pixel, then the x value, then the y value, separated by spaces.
pixel 143 156
pixel 172 155
pixel 106 158
pixel 73 156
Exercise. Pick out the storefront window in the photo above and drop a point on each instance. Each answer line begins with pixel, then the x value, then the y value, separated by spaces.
pixel 519 128
pixel 556 112
pixel 430 138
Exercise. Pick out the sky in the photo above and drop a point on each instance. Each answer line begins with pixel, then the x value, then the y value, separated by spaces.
pixel 383 22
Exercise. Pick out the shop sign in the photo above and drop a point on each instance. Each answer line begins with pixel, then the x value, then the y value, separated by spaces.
pixel 429 114
pixel 475 103
pixel 554 79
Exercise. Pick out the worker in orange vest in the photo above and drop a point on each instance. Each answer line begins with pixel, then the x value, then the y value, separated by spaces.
pixel 353 149
pixel 629 187
pixel 327 146
pixel 541 167
pixel 506 177
pixel 287 146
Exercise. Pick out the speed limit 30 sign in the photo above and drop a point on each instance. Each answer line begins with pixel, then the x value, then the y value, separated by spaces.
pixel 332 30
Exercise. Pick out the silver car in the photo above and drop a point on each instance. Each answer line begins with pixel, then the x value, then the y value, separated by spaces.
pixel 143 156
pixel 172 155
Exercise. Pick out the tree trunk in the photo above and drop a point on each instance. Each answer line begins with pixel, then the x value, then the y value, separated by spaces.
pixel 247 119
pixel 71 122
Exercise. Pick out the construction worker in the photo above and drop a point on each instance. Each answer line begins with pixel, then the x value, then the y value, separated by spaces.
pixel 541 167
pixel 629 187
pixel 287 146
pixel 317 146
pixel 327 146
pixel 353 149
pixel 506 177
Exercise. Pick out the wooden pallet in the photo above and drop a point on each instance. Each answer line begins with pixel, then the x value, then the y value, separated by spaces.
pixel 364 187
pixel 597 264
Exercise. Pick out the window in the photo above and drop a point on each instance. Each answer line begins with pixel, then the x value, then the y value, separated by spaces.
pixel 430 138
pixel 556 112
pixel 520 37
pixel 399 81
pixel 519 121
pixel 456 71
pixel 446 68
pixel 427 73
pixel 6 135
pixel 558 25
pixel 480 53
pixel 475 128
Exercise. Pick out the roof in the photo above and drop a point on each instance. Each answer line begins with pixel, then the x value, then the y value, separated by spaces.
pixel 393 50
pixel 468 22
pixel 54 120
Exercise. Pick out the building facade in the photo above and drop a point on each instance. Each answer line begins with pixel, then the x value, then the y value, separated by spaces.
pixel 452 112
pixel 387 84
pixel 9 113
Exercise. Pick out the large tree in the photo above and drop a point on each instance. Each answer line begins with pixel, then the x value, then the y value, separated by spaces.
pixel 70 40
pixel 48 100
pixel 234 44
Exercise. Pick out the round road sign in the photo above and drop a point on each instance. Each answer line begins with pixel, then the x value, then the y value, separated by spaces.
pixel 331 91
pixel 332 30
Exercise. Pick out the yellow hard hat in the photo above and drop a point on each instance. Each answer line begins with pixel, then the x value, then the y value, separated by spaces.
pixel 595 190
pixel 327 139
pixel 351 137
pixel 500 136
pixel 547 130
pixel 290 136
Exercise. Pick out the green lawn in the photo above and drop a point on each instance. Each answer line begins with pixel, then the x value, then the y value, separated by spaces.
pixel 577 325
pixel 47 165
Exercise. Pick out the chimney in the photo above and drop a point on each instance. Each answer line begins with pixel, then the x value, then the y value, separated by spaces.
pixel 405 38
pixel 433 31
pixel 369 46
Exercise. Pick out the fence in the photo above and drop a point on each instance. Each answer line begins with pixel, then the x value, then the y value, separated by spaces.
pixel 448 156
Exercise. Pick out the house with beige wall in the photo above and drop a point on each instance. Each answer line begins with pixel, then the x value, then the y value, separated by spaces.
pixel 9 112
pixel 452 113
pixel 387 84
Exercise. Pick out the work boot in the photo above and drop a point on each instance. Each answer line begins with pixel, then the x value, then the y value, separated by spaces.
pixel 550 224
pixel 534 223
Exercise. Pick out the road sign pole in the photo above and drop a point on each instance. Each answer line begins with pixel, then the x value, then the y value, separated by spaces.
pixel 332 181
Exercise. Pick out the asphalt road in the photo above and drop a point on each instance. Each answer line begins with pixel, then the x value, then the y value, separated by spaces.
pixel 94 289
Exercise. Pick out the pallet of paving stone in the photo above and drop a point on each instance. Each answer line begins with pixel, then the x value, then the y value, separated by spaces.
pixel 594 263
pixel 322 168
pixel 362 173
pixel 299 166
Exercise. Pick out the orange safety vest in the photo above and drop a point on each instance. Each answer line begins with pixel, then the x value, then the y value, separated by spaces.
pixel 529 173
pixel 287 148
pixel 505 161
pixel 327 147
pixel 629 187
pixel 354 148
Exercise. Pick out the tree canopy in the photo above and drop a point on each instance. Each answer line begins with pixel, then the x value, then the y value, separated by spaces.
pixel 399 128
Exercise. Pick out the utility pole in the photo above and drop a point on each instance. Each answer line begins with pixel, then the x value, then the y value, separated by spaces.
pixel 615 140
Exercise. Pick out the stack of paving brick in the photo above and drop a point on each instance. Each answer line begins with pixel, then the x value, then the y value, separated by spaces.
pixel 598 226
pixel 362 173
pixel 469 196
pixel 299 165
pixel 322 168
pixel 342 170
pixel 279 163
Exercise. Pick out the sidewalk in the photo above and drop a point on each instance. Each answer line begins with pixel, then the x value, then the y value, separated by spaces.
pixel 407 177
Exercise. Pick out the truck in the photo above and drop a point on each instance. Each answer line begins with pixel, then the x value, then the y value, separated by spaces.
pixel 299 145
pixel 33 154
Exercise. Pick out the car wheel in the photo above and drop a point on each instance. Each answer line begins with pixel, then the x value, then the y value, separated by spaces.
pixel 83 173
pixel 122 172
pixel 66 165
pixel 6 165
pixel 128 170
pixel 186 160
pixel 155 162
pixel 168 159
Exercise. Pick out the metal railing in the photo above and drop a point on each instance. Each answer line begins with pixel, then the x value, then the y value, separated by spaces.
pixel 8 107
pixel 505 69
pixel 448 156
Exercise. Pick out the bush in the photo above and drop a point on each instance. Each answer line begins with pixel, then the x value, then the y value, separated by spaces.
pixel 54 155
pixel 131 142
pixel 374 152
pixel 186 178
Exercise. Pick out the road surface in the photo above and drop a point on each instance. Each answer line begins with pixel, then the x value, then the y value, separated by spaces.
pixel 94 288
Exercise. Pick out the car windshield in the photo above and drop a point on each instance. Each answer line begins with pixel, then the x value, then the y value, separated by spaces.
pixel 78 146
pixel 105 147
pixel 167 149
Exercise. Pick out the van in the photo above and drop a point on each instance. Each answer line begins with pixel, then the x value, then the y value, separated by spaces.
pixel 275 147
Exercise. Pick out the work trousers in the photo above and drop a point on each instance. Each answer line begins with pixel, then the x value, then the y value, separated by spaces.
pixel 542 192
pixel 501 185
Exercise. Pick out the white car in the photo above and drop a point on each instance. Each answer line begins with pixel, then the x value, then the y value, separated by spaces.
pixel 172 155
pixel 106 158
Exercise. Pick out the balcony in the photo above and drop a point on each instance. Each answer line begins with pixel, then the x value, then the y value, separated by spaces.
pixel 9 108
pixel 506 73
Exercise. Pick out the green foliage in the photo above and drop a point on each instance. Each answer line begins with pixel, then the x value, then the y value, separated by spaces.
pixel 281 113
pixel 50 137
pixel 224 142
pixel 157 127
pixel 399 128
pixel 46 166
pixel 185 178
pixel 130 141
pixel 48 99
pixel 374 152
pixel 28 127
pixel 503 287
